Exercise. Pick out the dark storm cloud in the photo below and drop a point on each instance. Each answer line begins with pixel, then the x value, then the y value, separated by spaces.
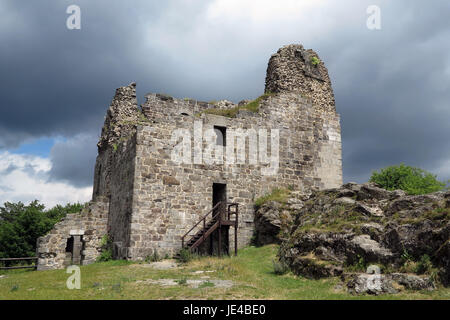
pixel 59 81
pixel 394 93
pixel 391 86
pixel 73 160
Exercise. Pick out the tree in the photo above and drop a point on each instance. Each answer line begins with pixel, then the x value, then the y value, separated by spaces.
pixel 21 225
pixel 410 179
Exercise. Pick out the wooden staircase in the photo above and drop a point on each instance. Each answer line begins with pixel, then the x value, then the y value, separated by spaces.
pixel 219 217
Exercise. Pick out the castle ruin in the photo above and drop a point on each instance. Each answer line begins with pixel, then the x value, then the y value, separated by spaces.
pixel 162 166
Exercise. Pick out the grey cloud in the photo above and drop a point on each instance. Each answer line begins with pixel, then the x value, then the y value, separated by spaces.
pixel 391 86
pixel 11 167
pixel 73 160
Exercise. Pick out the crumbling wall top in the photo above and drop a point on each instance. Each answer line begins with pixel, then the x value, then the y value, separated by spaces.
pixel 120 117
pixel 295 69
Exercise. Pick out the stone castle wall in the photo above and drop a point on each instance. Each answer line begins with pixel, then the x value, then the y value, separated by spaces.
pixel 89 226
pixel 153 200
pixel 121 197
pixel 170 198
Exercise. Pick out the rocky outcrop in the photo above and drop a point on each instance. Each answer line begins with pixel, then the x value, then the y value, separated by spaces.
pixel 343 230
pixel 273 219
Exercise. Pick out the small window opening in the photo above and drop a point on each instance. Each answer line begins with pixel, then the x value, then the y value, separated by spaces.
pixel 221 133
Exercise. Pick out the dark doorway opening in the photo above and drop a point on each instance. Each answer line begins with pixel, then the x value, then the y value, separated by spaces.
pixel 74 250
pixel 69 245
pixel 219 238
pixel 219 195
pixel 69 252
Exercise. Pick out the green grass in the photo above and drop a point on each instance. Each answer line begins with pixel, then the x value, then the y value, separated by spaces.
pixel 278 194
pixel 252 106
pixel 251 271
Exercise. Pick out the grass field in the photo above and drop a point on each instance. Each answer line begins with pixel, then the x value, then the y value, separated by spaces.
pixel 251 272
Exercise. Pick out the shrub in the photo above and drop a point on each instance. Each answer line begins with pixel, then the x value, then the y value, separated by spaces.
pixel 106 249
pixel 106 255
pixel 406 257
pixel 154 257
pixel 280 267
pixel 359 265
pixel 424 265
pixel 410 179
pixel 315 61
pixel 185 255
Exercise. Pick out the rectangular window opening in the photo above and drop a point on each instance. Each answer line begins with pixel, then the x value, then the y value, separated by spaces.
pixel 221 133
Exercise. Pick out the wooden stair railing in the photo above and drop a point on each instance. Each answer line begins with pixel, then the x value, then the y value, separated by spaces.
pixel 218 220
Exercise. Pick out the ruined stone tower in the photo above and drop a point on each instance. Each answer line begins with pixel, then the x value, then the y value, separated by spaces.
pixel 164 165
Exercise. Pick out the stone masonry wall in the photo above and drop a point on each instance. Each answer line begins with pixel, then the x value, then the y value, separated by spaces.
pixel 90 224
pixel 121 197
pixel 169 198
pixel 146 202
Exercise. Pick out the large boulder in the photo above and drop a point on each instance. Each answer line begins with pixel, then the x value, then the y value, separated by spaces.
pixel 273 219
pixel 356 225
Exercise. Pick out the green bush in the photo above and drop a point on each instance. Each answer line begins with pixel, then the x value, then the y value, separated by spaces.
pixel 106 249
pixel 106 255
pixel 424 265
pixel 154 257
pixel 280 267
pixel 406 257
pixel 359 265
pixel 315 61
pixel 185 255
pixel 410 179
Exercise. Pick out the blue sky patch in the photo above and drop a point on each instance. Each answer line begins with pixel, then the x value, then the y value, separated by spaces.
pixel 39 147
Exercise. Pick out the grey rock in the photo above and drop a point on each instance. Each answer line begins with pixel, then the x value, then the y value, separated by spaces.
pixel 413 282
pixel 370 249
pixel 377 225
pixel 374 284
